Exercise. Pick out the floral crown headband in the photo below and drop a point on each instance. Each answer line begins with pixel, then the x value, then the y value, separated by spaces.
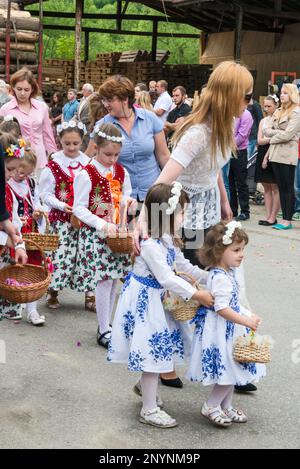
pixel 275 97
pixel 71 125
pixel 17 150
pixel 108 137
pixel 174 199
pixel 230 229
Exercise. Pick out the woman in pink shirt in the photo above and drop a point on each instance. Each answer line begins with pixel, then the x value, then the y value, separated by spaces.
pixel 32 114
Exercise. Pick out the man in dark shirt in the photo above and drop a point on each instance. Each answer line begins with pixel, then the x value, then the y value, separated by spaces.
pixel 175 116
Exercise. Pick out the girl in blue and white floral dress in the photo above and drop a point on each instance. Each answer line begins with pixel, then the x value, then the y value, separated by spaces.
pixel 217 328
pixel 144 335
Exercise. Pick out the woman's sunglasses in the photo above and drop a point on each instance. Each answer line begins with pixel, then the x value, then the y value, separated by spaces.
pixel 248 97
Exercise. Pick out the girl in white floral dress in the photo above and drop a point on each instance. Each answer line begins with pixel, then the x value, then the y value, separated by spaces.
pixel 99 192
pixel 144 335
pixel 217 328
pixel 56 192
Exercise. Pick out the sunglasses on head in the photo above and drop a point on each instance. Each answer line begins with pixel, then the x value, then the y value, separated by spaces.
pixel 248 97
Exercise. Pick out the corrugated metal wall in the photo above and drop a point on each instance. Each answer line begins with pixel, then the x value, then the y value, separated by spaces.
pixel 263 52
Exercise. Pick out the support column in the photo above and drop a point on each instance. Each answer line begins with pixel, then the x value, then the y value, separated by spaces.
pixel 154 41
pixel 7 42
pixel 78 30
pixel 238 34
pixel 40 53
pixel 86 45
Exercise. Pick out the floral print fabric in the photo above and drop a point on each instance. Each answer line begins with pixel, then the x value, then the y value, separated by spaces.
pixel 212 350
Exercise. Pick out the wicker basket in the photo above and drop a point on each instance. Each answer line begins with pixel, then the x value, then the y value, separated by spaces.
pixel 46 241
pixel 38 276
pixel 122 242
pixel 252 352
pixel 180 309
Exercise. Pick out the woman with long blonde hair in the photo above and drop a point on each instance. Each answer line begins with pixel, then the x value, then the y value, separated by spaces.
pixel 202 145
pixel 144 100
pixel 283 135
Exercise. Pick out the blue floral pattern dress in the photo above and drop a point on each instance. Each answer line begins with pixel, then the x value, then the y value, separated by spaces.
pixel 144 335
pixel 212 350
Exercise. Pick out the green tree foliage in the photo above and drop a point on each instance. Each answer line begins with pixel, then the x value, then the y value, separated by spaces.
pixel 60 44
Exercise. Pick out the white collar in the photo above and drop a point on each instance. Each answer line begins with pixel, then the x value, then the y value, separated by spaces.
pixel 65 160
pixel 102 169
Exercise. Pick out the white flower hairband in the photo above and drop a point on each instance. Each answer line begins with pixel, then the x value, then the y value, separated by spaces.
pixel 174 199
pixel 230 228
pixel 8 118
pixel 108 137
pixel 71 125
pixel 275 97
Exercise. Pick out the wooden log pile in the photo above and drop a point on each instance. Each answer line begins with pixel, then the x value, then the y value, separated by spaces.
pixel 60 73
pixel 23 39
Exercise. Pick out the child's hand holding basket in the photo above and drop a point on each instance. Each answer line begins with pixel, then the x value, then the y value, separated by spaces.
pixel 185 310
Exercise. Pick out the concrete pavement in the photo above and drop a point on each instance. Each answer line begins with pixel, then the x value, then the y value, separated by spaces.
pixel 58 391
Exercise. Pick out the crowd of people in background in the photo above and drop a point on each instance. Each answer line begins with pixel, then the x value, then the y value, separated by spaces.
pixel 120 148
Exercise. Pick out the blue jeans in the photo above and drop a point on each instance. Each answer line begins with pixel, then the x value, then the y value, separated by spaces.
pixel 297 187
pixel 251 148
pixel 225 173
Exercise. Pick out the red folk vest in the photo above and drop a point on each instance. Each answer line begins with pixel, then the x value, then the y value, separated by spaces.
pixel 100 199
pixel 63 192
pixel 25 206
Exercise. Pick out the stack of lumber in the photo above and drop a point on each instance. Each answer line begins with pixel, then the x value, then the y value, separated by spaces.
pixel 23 39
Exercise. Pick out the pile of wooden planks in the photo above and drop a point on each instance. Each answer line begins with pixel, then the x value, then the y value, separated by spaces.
pixel 23 39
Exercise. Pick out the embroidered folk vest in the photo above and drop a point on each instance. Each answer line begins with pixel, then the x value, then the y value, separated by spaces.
pixel 63 192
pixel 100 198
pixel 25 205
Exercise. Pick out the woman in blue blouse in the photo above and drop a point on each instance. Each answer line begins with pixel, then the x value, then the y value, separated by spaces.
pixel 144 151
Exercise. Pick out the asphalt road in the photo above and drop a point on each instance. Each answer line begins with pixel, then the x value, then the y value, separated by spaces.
pixel 58 391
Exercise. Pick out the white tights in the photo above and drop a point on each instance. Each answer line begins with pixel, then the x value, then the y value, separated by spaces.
pixel 105 298
pixel 221 396
pixel 31 307
pixel 149 384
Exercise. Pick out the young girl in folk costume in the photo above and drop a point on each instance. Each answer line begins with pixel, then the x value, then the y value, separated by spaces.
pixel 12 154
pixel 217 328
pixel 100 189
pixel 144 335
pixel 56 190
pixel 26 197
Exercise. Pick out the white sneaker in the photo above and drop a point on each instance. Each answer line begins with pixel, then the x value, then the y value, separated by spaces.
pixel 137 389
pixel 35 319
pixel 157 418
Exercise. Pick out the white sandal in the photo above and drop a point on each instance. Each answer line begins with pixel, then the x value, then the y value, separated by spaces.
pixel 35 319
pixel 157 418
pixel 236 415
pixel 215 415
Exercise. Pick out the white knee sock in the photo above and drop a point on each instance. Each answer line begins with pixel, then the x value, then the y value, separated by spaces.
pixel 149 384
pixel 113 295
pixel 103 304
pixel 227 402
pixel 31 307
pixel 218 395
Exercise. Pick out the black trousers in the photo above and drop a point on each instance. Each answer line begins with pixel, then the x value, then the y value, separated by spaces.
pixel 238 187
pixel 285 176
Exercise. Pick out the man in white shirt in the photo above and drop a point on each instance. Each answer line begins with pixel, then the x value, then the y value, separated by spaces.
pixel 164 102
pixel 83 111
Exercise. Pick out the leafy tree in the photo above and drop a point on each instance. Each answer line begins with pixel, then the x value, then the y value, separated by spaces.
pixel 61 44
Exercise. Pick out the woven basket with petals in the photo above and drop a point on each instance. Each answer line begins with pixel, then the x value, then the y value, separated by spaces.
pixel 46 241
pixel 251 352
pixel 37 277
pixel 182 310
pixel 122 242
